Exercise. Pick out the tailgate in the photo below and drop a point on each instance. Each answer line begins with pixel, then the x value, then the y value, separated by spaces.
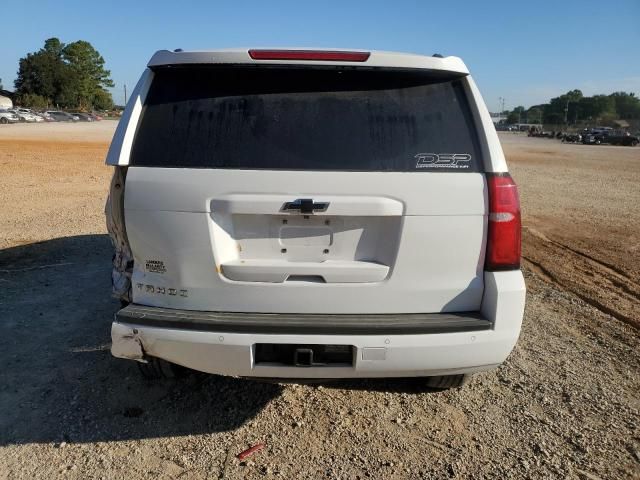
pixel 306 191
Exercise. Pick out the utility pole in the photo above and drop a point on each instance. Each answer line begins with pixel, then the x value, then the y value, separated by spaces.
pixel 125 94
pixel 501 104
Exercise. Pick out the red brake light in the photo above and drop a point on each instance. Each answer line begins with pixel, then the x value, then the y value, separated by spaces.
pixel 315 55
pixel 504 231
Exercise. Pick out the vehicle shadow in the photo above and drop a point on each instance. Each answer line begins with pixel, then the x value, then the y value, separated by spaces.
pixel 405 385
pixel 58 380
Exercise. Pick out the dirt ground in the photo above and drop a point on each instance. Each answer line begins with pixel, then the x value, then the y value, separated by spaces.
pixel 581 218
pixel 566 404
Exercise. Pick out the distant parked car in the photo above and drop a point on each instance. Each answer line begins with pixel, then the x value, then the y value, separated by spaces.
pixel 626 140
pixel 29 113
pixel 8 117
pixel 611 138
pixel 24 116
pixel 96 117
pixel 58 116
pixel 83 117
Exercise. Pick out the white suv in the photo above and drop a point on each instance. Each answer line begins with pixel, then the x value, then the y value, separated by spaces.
pixel 313 214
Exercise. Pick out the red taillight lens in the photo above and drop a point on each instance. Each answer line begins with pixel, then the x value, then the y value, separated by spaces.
pixel 315 55
pixel 503 240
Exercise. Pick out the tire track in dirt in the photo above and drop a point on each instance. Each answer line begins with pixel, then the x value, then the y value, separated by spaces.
pixel 601 285
pixel 604 264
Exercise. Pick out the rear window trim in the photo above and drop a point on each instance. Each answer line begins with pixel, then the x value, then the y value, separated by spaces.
pixel 433 72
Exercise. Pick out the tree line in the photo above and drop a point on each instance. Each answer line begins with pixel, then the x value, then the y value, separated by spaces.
pixel 64 75
pixel 574 108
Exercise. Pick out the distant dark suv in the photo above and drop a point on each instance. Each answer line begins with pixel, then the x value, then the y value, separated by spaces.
pixel 625 139
pixel 610 137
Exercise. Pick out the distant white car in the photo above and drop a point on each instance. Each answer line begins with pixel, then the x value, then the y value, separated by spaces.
pixel 7 116
pixel 313 214
pixel 26 116
pixel 37 117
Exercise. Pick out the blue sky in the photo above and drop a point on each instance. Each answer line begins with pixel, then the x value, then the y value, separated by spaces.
pixel 525 51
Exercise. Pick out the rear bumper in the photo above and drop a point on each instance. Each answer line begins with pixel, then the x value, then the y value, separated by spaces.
pixel 233 354
pixel 383 346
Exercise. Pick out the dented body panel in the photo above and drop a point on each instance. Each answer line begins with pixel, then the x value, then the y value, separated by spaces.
pixel 126 343
pixel 122 258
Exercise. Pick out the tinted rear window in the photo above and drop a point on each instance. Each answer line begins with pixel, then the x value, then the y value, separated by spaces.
pixel 306 119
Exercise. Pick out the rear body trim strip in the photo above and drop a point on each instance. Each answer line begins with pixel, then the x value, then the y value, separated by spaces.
pixel 295 324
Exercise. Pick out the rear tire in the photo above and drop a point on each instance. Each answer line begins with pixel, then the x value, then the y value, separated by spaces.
pixel 158 369
pixel 4 121
pixel 444 382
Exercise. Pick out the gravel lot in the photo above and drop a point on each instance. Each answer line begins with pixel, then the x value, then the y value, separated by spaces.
pixel 565 405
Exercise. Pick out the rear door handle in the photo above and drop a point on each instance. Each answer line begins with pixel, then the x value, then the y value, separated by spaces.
pixel 305 205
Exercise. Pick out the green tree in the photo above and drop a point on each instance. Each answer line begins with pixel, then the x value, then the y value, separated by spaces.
pixel 88 77
pixel 597 107
pixel 563 109
pixel 32 100
pixel 517 115
pixel 534 114
pixel 551 114
pixel 102 100
pixel 627 105
pixel 573 95
pixel 43 72
pixel 70 75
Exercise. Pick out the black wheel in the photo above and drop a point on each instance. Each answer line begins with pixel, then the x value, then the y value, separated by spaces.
pixel 445 382
pixel 4 121
pixel 158 369
pixel 634 143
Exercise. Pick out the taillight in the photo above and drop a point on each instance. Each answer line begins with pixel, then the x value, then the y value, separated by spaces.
pixel 317 55
pixel 503 240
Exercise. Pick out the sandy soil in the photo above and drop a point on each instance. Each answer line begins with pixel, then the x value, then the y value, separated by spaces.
pixel 564 405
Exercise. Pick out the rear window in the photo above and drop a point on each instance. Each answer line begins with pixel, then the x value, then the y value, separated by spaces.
pixel 306 119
